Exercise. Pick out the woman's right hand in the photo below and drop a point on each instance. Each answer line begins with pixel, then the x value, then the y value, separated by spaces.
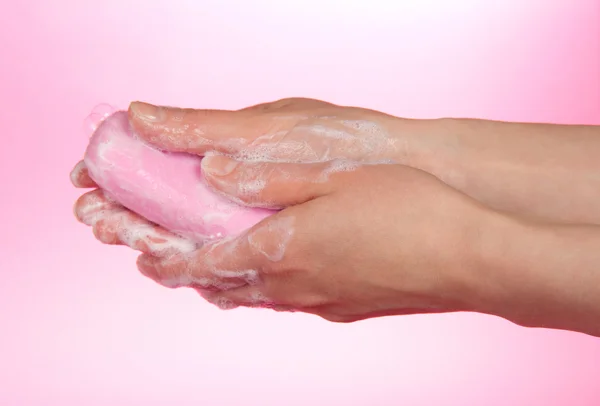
pixel 289 130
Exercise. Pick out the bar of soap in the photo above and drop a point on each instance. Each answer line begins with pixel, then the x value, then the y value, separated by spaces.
pixel 165 188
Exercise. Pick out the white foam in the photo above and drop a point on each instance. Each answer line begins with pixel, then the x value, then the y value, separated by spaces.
pixel 272 238
pixel 130 230
pixel 338 165
pixel 218 300
pixel 134 233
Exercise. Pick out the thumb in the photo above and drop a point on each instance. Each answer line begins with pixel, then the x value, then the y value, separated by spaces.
pixel 195 131
pixel 273 185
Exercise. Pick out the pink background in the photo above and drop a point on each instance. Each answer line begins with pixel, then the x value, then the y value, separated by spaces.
pixel 79 326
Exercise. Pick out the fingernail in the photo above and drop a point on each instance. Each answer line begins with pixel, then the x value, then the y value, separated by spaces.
pixel 218 165
pixel 147 112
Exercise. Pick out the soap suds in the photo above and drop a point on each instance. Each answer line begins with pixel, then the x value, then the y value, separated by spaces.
pixel 249 276
pixel 272 238
pixel 114 224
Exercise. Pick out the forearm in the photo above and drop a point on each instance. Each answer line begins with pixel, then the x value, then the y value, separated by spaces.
pixel 546 171
pixel 540 275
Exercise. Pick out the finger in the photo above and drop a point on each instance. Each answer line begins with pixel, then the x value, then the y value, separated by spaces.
pixel 183 271
pixel 123 227
pixel 113 224
pixel 80 178
pixel 289 130
pixel 211 268
pixel 272 185
pixel 199 131
pixel 229 263
pixel 91 205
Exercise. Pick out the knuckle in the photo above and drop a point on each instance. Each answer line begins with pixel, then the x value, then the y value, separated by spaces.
pixel 171 273
pixel 251 180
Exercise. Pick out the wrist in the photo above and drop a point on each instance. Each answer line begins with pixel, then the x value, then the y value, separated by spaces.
pixel 496 264
pixel 426 144
pixel 539 275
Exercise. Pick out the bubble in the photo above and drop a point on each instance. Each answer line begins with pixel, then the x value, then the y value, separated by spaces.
pixel 104 109
pixel 98 114
pixel 216 233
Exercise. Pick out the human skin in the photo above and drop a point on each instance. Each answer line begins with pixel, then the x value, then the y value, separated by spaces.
pixel 551 172
pixel 334 251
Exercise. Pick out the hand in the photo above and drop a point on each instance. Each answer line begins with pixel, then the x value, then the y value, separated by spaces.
pixel 296 130
pixel 288 130
pixel 359 242
pixel 333 151
pixel 450 252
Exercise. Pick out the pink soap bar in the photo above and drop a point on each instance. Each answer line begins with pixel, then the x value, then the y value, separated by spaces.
pixel 165 188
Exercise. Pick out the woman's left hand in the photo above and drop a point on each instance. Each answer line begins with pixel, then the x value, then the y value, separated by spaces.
pixel 354 242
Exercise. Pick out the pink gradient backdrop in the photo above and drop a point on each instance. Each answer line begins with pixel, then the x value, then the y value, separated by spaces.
pixel 79 326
